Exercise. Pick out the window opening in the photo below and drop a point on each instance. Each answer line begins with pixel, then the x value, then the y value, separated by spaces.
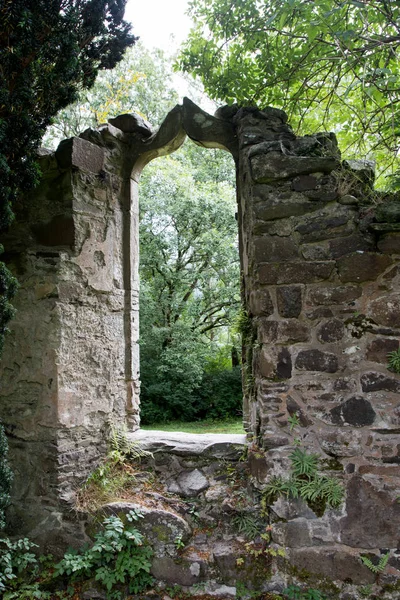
pixel 189 293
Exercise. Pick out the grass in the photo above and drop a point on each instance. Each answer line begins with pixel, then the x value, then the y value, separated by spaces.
pixel 231 426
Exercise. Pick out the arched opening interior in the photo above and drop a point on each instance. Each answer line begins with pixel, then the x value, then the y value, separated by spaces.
pixel 190 293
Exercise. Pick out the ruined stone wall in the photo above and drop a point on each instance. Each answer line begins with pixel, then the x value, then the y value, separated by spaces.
pixel 65 373
pixel 320 284
pixel 321 287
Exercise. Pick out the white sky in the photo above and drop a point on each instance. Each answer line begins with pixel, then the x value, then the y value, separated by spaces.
pixel 154 21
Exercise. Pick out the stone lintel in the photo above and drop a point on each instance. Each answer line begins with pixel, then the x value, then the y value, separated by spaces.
pixel 217 445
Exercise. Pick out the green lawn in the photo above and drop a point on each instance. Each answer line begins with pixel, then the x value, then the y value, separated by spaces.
pixel 233 426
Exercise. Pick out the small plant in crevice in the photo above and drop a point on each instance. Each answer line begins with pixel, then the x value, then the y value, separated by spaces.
pixel 247 524
pixel 293 421
pixel 114 477
pixel 118 558
pixel 394 361
pixel 378 568
pixel 305 481
pixel 294 592
pixel 179 543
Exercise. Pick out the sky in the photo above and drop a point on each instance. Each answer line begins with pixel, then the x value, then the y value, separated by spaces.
pixel 164 24
pixel 154 21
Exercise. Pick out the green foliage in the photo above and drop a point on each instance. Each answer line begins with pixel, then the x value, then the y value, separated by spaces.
pixel 294 592
pixel 331 64
pixel 8 288
pixel 179 543
pixel 15 558
pixel 293 421
pixel 305 482
pixel 377 569
pixel 189 289
pixel 141 82
pixel 394 361
pixel 5 476
pixel 247 524
pixel 48 51
pixel 115 475
pixel 117 558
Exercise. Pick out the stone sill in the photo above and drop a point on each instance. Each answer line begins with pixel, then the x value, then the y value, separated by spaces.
pixel 214 445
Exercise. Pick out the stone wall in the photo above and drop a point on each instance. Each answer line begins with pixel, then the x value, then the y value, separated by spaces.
pixel 321 288
pixel 320 283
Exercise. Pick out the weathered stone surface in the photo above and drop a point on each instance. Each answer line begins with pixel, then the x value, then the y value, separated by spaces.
pixel 362 266
pixel 379 348
pixel 388 212
pixel 374 382
pixel 386 310
pixel 160 527
pixel 132 123
pixel 347 245
pixel 60 231
pixel 191 483
pixel 295 534
pixel 275 166
pixel 390 243
pixel 260 303
pixel 334 562
pixel 335 294
pixel 356 411
pixel 331 331
pixel 341 443
pixel 284 332
pixel 289 301
pixel 165 568
pixel 304 182
pixel 272 249
pixel 292 272
pixel 372 515
pixel 322 227
pixel 79 153
pixel 218 445
pixel 316 360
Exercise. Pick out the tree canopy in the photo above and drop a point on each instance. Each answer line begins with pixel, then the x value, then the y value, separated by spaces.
pixel 49 50
pixel 328 63
pixel 189 273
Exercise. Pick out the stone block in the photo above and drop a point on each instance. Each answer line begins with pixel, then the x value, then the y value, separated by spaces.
pixel 334 562
pixel 356 411
pixel 274 249
pixel 177 572
pixel 316 229
pixel 331 331
pixel 304 182
pixel 341 443
pixel 294 272
pixel 283 332
pixel 334 295
pixel 386 310
pixel 372 514
pixel 389 243
pixel 289 301
pixel 81 154
pixel 260 303
pixel 191 483
pixel 348 244
pixel 379 348
pixel 293 534
pixel 275 166
pixel 375 382
pixel 362 266
pixel 316 360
